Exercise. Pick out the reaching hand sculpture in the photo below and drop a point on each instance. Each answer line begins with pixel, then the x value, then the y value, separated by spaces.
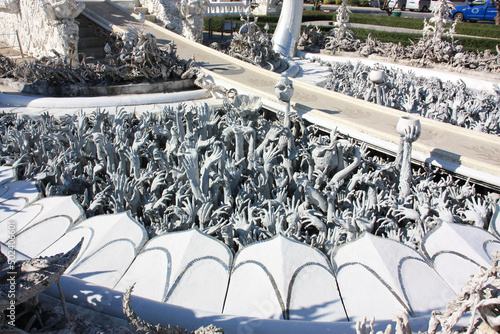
pixel 409 131
pixel 235 175
pixel 284 92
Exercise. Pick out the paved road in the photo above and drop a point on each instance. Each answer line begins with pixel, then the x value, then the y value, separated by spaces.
pixel 377 11
pixel 455 149
pixel 373 11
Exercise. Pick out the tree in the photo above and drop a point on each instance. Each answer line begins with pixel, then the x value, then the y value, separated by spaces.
pixel 497 5
pixel 317 4
pixel 384 5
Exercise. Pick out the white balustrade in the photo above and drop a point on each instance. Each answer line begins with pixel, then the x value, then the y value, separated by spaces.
pixel 226 8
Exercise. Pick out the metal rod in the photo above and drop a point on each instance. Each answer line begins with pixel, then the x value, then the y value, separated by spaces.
pixel 19 42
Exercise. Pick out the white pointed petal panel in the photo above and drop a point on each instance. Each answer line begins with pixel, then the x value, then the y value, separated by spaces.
pixel 458 251
pixel 6 174
pixel 379 271
pixel 111 242
pixel 188 269
pixel 15 196
pixel 41 223
pixel 280 279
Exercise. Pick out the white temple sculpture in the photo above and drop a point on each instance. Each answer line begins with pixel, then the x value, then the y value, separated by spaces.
pixel 409 130
pixel 192 18
pixel 266 7
pixel 165 11
pixel 46 25
pixel 284 92
pixel 287 33
pixel 437 25
pixel 184 17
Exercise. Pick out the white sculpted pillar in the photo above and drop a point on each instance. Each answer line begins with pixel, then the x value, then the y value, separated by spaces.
pixel 287 32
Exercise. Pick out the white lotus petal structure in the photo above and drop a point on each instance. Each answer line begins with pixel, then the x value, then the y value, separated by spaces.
pixel 275 279
pixel 187 268
pixel 42 223
pixel 6 174
pixel 283 279
pixel 379 271
pixel 458 251
pixel 111 242
pixel 14 196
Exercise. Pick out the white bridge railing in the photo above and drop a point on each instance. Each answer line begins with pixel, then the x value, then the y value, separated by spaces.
pixel 226 8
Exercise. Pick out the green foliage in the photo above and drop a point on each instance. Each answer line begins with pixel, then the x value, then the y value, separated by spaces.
pixel 472 29
pixel 463 28
pixel 315 15
pixel 331 2
pixel 475 29
pixel 470 43
pixel 388 21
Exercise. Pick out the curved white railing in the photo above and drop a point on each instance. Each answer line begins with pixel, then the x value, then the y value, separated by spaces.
pixel 226 8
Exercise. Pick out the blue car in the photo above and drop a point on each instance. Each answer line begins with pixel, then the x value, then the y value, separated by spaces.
pixel 478 10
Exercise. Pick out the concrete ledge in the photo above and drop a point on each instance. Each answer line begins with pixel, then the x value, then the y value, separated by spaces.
pixel 100 101
pixel 293 68
pixel 72 90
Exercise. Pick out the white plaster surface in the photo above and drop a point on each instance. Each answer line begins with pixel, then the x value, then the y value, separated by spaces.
pixel 111 243
pixel 458 250
pixel 15 196
pixel 100 101
pixel 379 271
pixel 286 34
pixel 41 31
pixel 6 174
pixel 275 276
pixel 188 269
pixel 41 223
pixel 312 73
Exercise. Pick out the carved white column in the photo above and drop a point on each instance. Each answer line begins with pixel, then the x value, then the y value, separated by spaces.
pixel 287 33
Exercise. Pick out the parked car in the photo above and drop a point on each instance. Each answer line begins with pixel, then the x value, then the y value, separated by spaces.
pixel 419 5
pixel 455 3
pixel 399 4
pixel 483 10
